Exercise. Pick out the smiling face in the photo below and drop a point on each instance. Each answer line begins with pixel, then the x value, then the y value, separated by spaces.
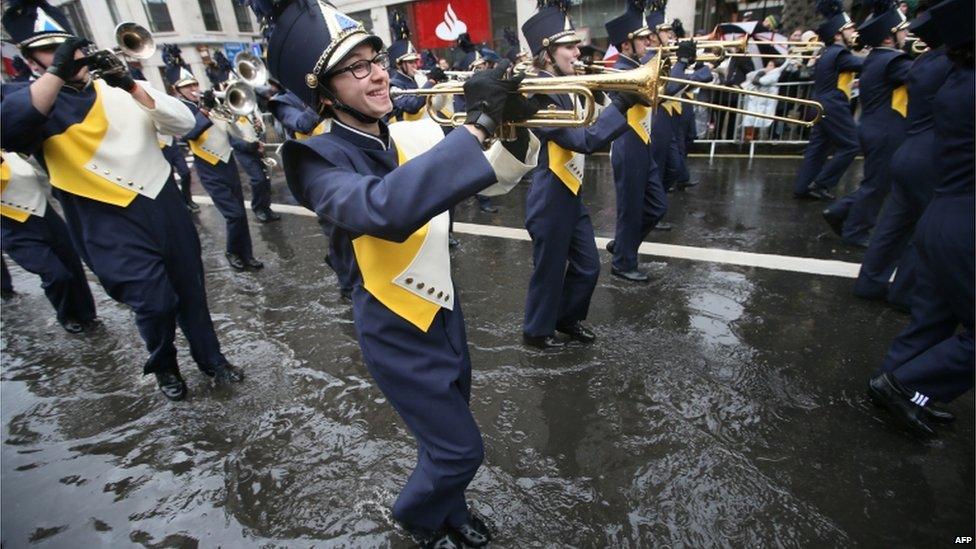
pixel 369 95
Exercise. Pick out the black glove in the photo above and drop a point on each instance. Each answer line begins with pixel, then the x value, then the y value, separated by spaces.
pixel 485 95
pixel 687 52
pixel 113 71
pixel 623 101
pixel 519 107
pixel 208 100
pixel 65 66
pixel 437 75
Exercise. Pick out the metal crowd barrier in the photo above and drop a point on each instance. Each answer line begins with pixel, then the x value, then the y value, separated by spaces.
pixel 714 127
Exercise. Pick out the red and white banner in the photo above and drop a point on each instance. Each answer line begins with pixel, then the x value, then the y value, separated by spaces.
pixel 438 23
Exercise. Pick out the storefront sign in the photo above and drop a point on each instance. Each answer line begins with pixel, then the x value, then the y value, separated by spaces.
pixel 440 22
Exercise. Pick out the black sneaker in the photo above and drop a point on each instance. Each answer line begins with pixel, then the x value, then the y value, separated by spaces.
pixel 474 533
pixel 224 373
pixel 171 384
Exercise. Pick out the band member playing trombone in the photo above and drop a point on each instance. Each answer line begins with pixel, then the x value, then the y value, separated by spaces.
pixel 213 156
pixel 837 132
pixel 386 191
pixel 630 154
pixel 97 138
pixel 884 104
pixel 565 261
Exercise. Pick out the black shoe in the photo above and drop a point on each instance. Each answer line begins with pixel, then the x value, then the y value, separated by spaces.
pixel 578 332
pixel 682 185
pixel 938 415
pixel 428 539
pixel 885 391
pixel 266 215
pixel 806 195
pixel 542 342
pixel 171 384
pixel 611 245
pixel 669 189
pixel 835 221
pixel 821 193
pixel 474 533
pixel 663 226
pixel 235 262
pixel 224 373
pixel 452 242
pixel 193 207
pixel 632 276
pixel 253 264
pixel 73 326
pixel 488 208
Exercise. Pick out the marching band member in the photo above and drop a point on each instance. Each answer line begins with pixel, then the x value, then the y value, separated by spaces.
pixel 665 115
pixel 836 133
pixel 676 175
pixel 249 153
pixel 630 154
pixel 97 138
pixel 35 237
pixel 932 359
pixel 386 191
pixel 213 156
pixel 473 62
pixel 912 182
pixel 565 261
pixel 884 101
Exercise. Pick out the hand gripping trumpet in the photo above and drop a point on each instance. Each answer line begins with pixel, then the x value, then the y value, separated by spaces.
pixel 132 39
pixel 648 81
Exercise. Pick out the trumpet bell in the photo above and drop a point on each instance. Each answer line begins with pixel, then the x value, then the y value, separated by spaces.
pixel 239 98
pixel 251 69
pixel 134 40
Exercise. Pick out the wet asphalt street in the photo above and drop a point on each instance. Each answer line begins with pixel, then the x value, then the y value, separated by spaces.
pixel 723 406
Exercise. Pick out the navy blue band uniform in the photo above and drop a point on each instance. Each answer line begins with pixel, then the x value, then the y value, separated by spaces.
pixel 884 101
pixel 246 144
pixel 932 359
pixel 566 265
pixel 36 238
pixel 387 196
pixel 124 213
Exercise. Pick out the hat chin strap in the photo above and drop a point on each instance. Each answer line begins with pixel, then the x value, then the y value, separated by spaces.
pixel 364 118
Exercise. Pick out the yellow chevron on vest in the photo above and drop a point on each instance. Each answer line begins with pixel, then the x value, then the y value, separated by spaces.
pixel 672 107
pixel 410 117
pixel 196 145
pixel 899 100
pixel 558 158
pixel 844 81
pixel 635 115
pixel 12 213
pixel 381 261
pixel 67 154
pixel 317 130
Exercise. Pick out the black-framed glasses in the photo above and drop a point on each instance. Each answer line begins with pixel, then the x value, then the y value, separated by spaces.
pixel 364 67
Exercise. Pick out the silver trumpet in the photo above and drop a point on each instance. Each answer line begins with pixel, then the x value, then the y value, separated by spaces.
pixel 132 39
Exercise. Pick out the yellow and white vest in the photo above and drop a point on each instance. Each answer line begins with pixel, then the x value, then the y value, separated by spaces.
pixel 21 188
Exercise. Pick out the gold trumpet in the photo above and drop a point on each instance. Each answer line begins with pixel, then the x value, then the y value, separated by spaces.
pixel 132 40
pixel 647 81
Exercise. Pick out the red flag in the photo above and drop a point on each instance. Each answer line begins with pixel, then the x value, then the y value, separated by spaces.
pixel 439 22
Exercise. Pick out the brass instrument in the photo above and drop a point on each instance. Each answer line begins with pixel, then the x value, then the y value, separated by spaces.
pixel 916 45
pixel 237 98
pixel 647 81
pixel 132 39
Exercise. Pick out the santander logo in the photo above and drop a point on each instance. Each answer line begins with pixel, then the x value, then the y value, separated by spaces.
pixel 451 27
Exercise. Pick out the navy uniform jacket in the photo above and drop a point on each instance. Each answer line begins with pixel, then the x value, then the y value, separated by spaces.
pixel 912 165
pixel 832 77
pixel 407 107
pixel 299 119
pixel 955 134
pixel 884 98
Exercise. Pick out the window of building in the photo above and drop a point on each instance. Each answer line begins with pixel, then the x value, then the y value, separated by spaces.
pixel 211 21
pixel 113 11
pixel 76 16
pixel 243 15
pixel 363 17
pixel 158 15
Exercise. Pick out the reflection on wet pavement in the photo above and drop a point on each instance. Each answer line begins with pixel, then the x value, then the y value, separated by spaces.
pixel 722 406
